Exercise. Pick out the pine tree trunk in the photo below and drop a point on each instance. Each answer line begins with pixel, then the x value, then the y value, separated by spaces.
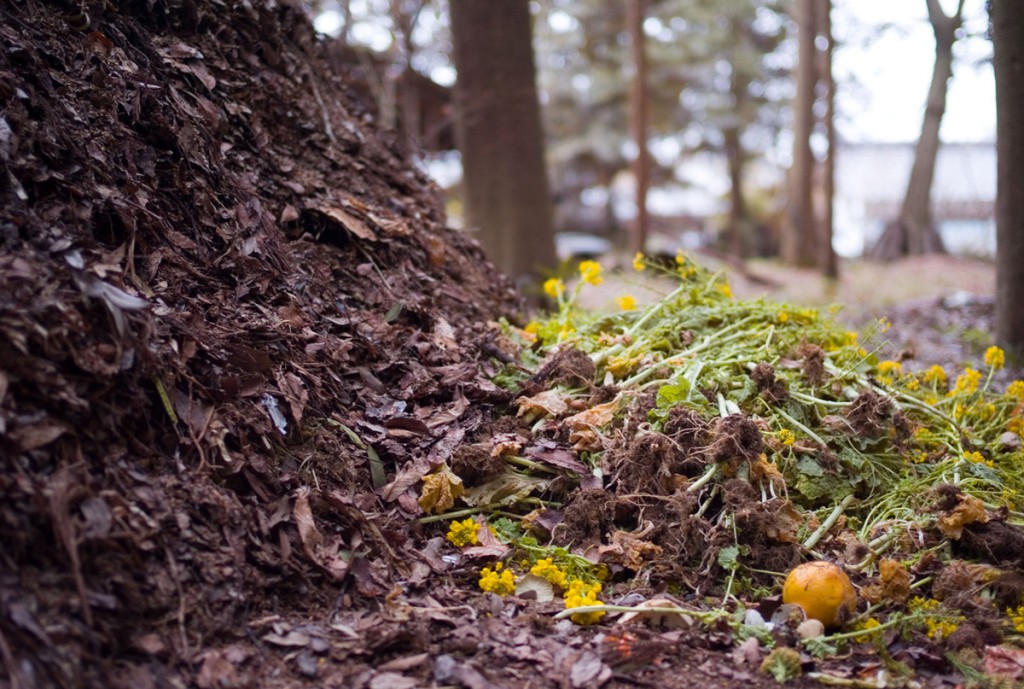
pixel 738 241
pixel 1008 42
pixel 828 263
pixel 799 241
pixel 638 100
pixel 508 201
pixel 914 232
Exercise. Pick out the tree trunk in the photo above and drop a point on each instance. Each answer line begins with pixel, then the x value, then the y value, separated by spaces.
pixel 914 232
pixel 799 240
pixel 828 262
pixel 738 241
pixel 1008 42
pixel 508 201
pixel 638 100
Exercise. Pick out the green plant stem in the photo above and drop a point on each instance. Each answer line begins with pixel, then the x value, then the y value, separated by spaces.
pixel 813 539
pixel 804 429
pixel 703 480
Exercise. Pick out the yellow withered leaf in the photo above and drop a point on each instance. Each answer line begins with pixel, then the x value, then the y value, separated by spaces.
pixel 440 490
pixel 970 510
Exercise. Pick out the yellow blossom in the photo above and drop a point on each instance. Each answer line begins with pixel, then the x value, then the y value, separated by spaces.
pixel 680 257
pixel 851 337
pixel 995 357
pixel 638 261
pixel 580 594
pixel 725 289
pixel 935 374
pixel 975 457
pixel 463 533
pixel 787 437
pixel 547 569
pixel 913 384
pixel 890 367
pixel 782 316
pixel 884 324
pixel 627 302
pixel 1015 425
pixel 1016 618
pixel 940 629
pixel 554 287
pixel 590 271
pixel 866 626
pixel 499 581
pixel 1015 390
pixel 967 381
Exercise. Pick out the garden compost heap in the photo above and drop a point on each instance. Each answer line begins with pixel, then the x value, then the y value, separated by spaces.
pixel 266 422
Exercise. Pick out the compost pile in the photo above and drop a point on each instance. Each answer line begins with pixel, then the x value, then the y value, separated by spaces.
pixel 219 285
pixel 265 422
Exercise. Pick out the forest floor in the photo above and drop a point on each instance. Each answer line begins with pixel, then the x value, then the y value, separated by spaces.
pixel 250 384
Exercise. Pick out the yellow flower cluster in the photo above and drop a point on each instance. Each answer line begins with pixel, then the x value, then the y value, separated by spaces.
pixel 627 302
pixel 782 316
pixel 498 580
pixel 1016 618
pixel 725 290
pixel 463 533
pixel 937 626
pixel 547 569
pixel 884 324
pixel 554 288
pixel 887 368
pixel 580 594
pixel 590 271
pixel 638 261
pixel 866 626
pixel 787 437
pixel 995 357
pixel 967 381
pixel 978 458
pixel 1015 390
pixel 935 374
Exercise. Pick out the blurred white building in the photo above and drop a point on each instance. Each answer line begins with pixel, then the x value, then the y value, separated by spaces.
pixel 871 179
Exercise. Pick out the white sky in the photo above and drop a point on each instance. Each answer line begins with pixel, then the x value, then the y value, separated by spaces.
pixel 883 67
pixel 894 72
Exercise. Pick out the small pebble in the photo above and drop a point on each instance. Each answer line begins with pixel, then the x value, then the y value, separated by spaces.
pixel 1009 442
pixel 810 629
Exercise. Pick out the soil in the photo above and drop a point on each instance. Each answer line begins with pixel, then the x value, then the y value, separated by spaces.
pixel 235 335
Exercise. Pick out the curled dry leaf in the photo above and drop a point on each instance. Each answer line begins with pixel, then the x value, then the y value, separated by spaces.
pixel 969 510
pixel 440 489
pixel 654 611
pixel 546 403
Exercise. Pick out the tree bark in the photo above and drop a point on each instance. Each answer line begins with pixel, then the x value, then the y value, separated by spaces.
pixel 738 240
pixel 828 262
pixel 914 232
pixel 639 106
pixel 799 240
pixel 508 202
pixel 1008 42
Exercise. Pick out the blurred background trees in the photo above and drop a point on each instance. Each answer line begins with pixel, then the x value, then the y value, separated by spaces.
pixel 742 160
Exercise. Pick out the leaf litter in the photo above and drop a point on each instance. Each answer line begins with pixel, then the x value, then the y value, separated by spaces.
pixel 250 385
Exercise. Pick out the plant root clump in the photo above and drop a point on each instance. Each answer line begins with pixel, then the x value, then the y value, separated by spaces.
pixel 869 414
pixel 737 440
pixel 773 390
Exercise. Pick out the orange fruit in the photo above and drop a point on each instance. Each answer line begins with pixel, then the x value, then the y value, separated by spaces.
pixel 823 590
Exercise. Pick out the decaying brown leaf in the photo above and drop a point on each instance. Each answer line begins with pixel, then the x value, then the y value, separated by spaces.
pixel 440 489
pixel 546 403
pixel 969 510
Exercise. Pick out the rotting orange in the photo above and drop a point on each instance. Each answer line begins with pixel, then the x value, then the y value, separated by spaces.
pixel 823 590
